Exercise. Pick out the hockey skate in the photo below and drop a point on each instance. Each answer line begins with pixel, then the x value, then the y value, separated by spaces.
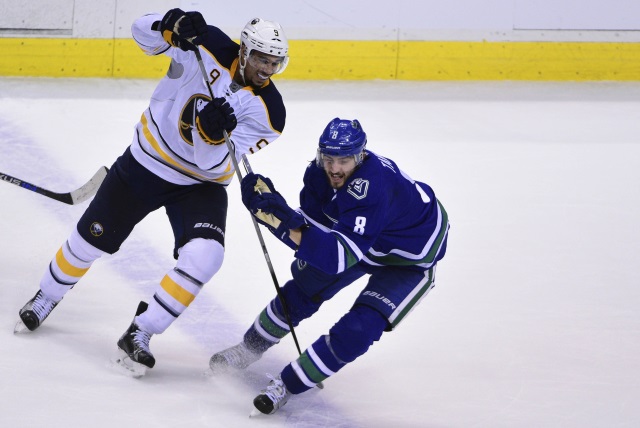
pixel 272 398
pixel 237 357
pixel 134 354
pixel 34 312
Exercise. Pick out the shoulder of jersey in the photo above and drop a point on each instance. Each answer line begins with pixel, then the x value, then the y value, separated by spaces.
pixel 275 105
pixel 366 183
pixel 370 169
pixel 221 46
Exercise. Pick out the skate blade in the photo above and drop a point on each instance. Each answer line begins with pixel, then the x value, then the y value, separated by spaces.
pixel 254 413
pixel 123 363
pixel 20 328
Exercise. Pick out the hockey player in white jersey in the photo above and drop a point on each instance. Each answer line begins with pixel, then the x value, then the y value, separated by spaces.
pixel 178 160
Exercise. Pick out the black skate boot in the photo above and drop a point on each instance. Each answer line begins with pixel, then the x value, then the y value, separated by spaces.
pixel 34 312
pixel 135 355
pixel 272 398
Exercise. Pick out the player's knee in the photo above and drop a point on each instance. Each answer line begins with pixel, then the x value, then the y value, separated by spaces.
pixel 81 249
pixel 355 332
pixel 201 258
pixel 299 305
pixel 311 280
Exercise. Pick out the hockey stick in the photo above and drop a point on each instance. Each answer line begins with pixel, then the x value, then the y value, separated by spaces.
pixel 72 198
pixel 245 161
pixel 283 302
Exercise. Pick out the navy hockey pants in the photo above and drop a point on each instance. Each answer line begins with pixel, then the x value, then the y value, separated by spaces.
pixel 389 295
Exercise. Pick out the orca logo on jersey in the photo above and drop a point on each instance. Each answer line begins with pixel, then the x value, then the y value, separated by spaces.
pixel 96 229
pixel 358 188
pixel 301 264
pixel 187 117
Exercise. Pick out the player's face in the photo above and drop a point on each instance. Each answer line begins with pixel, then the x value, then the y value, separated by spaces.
pixel 261 67
pixel 338 169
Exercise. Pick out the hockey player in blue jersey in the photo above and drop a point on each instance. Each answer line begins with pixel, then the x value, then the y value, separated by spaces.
pixel 177 160
pixel 359 214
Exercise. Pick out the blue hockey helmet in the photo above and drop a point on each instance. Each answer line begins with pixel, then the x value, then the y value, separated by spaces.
pixel 342 138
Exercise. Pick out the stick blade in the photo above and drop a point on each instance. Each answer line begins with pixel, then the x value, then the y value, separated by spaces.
pixel 90 188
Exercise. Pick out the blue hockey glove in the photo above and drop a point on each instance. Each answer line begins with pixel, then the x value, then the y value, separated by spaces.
pixel 270 208
pixel 213 118
pixel 248 188
pixel 182 29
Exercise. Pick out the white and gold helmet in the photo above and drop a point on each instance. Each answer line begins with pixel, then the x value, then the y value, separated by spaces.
pixel 266 37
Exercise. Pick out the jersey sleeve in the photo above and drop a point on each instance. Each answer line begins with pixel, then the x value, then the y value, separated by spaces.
pixel 150 41
pixel 255 129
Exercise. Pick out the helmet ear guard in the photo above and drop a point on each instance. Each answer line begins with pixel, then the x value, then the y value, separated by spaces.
pixel 342 138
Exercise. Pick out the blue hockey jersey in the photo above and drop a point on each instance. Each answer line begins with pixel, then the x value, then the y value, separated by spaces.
pixel 381 217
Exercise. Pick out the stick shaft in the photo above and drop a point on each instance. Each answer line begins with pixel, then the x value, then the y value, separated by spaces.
pixel 71 198
pixel 245 161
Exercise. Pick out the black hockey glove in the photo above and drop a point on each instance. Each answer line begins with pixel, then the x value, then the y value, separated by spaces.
pixel 270 208
pixel 181 29
pixel 213 118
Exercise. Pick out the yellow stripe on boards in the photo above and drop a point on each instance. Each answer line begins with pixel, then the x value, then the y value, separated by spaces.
pixel 39 57
pixel 67 268
pixel 518 61
pixel 56 57
pixel 176 291
pixel 346 60
pixel 341 60
pixel 129 61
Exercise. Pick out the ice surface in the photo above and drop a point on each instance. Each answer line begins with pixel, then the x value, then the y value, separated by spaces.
pixel 534 321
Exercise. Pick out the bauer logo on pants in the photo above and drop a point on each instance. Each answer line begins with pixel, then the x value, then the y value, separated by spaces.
pixel 96 229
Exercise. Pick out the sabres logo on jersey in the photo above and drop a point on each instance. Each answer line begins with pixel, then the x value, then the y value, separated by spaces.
pixel 187 117
pixel 358 188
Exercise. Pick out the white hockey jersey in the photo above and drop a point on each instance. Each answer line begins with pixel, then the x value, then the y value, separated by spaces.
pixel 166 141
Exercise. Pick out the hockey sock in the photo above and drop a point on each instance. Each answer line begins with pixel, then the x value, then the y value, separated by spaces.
pixel 173 295
pixel 270 326
pixel 256 342
pixel 316 363
pixel 349 338
pixel 198 262
pixel 71 262
pixel 355 332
